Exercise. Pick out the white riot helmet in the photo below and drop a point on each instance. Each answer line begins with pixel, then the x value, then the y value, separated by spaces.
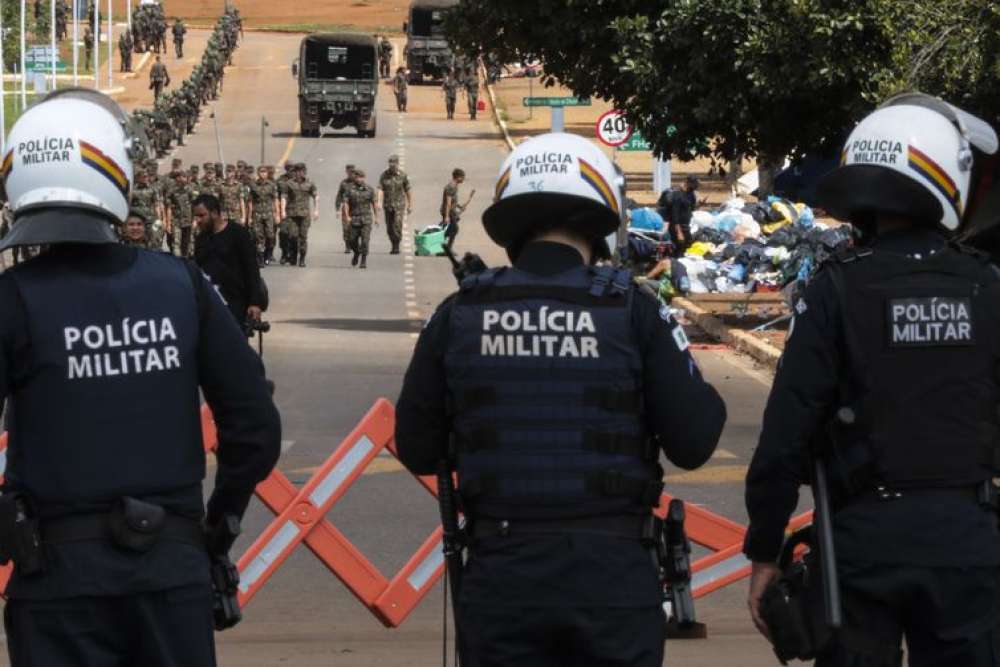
pixel 911 157
pixel 71 151
pixel 554 177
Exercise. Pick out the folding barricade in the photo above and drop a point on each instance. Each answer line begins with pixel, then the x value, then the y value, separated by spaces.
pixel 300 517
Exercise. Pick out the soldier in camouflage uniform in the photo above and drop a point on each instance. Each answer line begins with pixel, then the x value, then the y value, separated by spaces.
pixel 231 196
pixel 159 78
pixel 299 191
pixel 179 216
pixel 282 182
pixel 345 185
pixel 397 201
pixel 450 88
pixel 472 92
pixel 134 231
pixel 145 202
pixel 264 212
pixel 360 206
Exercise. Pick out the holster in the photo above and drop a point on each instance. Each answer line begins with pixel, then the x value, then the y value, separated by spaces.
pixel 792 606
pixel 20 535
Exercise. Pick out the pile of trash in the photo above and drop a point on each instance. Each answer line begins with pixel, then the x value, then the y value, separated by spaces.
pixel 759 247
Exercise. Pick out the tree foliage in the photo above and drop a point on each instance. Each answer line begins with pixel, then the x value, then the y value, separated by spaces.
pixel 765 78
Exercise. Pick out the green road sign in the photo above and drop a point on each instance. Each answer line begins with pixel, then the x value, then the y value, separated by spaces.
pixel 45 67
pixel 636 143
pixel 558 102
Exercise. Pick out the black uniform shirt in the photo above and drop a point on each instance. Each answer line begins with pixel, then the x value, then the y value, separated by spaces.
pixel 929 529
pixel 229 258
pixel 249 430
pixel 683 411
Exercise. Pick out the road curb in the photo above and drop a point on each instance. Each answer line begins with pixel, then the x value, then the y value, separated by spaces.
pixel 497 120
pixel 138 68
pixel 762 351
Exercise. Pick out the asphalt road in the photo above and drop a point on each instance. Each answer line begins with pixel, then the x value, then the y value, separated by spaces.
pixel 342 337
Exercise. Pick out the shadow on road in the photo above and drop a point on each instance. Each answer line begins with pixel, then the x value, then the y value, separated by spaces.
pixel 352 324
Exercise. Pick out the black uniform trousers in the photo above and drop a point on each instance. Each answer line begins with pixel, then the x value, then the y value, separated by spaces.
pixel 171 628
pixel 949 616
pixel 529 636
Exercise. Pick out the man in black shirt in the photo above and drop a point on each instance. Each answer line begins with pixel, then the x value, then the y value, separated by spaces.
pixel 227 254
pixel 677 207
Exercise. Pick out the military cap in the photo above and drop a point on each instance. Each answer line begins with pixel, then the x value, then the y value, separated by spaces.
pixel 300 165
pixel 177 162
pixel 350 167
pixel 133 213
pixel 359 172
pixel 289 166
pixel 393 159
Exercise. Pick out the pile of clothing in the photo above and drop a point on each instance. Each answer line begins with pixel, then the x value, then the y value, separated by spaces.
pixel 759 247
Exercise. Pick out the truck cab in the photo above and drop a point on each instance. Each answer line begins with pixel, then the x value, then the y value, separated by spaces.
pixel 428 53
pixel 337 75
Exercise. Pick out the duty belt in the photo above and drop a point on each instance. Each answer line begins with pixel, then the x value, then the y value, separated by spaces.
pixel 86 527
pixel 613 526
pixel 984 493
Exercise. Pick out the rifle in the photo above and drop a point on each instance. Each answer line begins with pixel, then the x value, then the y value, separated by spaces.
pixel 676 568
pixel 225 576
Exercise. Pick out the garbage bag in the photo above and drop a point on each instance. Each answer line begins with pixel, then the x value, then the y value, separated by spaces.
pixel 646 218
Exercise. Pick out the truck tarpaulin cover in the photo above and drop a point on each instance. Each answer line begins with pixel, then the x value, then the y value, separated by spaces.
pixel 427 17
pixel 339 59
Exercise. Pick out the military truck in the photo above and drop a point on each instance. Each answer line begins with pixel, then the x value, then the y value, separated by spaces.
pixel 428 53
pixel 338 83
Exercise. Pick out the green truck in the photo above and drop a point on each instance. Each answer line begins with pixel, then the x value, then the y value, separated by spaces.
pixel 338 83
pixel 428 53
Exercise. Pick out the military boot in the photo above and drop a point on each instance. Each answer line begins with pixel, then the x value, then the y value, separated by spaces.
pixel 354 260
pixel 302 258
pixel 395 249
pixel 364 262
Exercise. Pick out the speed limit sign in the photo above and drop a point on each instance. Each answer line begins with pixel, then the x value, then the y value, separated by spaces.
pixel 613 129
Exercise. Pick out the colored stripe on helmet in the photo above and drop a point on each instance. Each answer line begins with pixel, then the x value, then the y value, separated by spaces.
pixel 502 184
pixel 937 176
pixel 7 164
pixel 107 167
pixel 596 181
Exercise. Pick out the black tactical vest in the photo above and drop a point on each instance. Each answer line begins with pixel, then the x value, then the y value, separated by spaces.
pixel 921 339
pixel 111 406
pixel 544 377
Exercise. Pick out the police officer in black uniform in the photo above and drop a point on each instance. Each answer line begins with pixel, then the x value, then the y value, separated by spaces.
pixel 103 349
pixel 890 375
pixel 558 384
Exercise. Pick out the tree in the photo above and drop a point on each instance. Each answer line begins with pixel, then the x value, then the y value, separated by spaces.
pixel 761 78
pixel 11 10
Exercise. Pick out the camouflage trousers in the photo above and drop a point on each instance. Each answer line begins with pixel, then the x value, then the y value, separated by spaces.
pixel 346 223
pixel 181 240
pixel 394 225
pixel 361 234
pixel 156 232
pixel 263 233
pixel 298 231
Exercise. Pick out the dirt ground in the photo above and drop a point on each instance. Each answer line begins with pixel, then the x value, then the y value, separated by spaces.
pixel 374 15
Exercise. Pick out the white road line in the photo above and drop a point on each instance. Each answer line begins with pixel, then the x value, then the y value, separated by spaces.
pixel 411 304
pixel 414 336
pixel 413 315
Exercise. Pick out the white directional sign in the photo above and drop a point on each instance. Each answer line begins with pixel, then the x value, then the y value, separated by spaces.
pixel 613 129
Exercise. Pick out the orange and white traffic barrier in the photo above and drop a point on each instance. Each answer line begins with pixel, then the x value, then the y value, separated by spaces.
pixel 300 518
